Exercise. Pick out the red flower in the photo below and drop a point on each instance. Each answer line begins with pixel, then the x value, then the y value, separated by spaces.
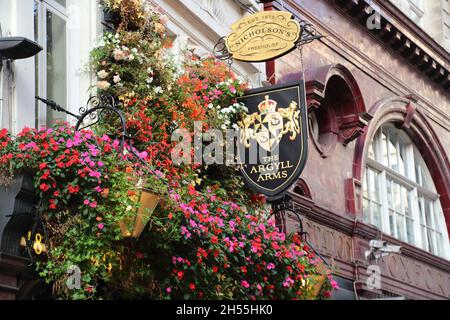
pixel 56 193
pixel 192 286
pixel 42 166
pixel 244 269
pixel 180 275
pixel 44 187
pixel 214 239
pixel 73 189
pixel 215 269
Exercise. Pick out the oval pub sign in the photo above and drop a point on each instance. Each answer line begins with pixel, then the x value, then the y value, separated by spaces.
pixel 273 138
pixel 263 36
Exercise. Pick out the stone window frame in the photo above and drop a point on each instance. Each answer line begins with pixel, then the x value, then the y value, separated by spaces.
pixel 404 113
pixel 406 218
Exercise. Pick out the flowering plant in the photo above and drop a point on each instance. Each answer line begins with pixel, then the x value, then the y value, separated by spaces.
pixel 208 230
pixel 231 253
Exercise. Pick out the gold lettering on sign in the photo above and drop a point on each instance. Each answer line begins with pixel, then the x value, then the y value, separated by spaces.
pixel 263 36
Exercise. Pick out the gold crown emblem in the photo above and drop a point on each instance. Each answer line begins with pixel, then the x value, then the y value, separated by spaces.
pixel 267 106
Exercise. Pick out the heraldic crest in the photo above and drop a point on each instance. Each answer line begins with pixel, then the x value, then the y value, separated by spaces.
pixel 270 125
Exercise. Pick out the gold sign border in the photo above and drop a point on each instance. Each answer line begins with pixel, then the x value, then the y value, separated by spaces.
pixel 301 153
pixel 278 53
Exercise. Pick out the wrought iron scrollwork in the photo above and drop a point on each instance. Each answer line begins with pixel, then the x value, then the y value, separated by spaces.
pixel 221 51
pixel 284 208
pixel 99 108
pixel 309 34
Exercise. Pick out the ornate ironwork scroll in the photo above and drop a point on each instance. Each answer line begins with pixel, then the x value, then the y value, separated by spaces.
pixel 221 52
pixel 284 208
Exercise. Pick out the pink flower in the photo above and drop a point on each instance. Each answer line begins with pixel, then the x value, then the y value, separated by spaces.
pixel 245 284
pixel 69 144
pixel 168 290
pixel 98 189
pixel 93 204
pixel 288 282
pixel 270 266
pixel 100 226
pixel 233 90
pixel 334 284
pixel 86 202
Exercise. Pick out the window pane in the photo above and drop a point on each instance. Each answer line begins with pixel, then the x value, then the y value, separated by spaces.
pixel 397 197
pixel 376 212
pixel 439 242
pixel 393 162
pixel 418 174
pixel 384 149
pixel 373 185
pixel 366 210
pixel 401 158
pixel 410 229
pixel 430 235
pixel 405 201
pixel 371 152
pixel 400 227
pixel 392 222
pixel 56 65
pixel 428 213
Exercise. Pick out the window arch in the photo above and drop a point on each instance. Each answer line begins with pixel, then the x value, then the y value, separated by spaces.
pixel 398 193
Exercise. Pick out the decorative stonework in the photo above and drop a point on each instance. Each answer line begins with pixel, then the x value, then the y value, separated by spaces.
pixel 399 38
pixel 334 95
pixel 402 112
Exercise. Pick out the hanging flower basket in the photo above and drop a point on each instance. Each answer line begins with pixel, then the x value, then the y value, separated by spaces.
pixel 315 283
pixel 147 204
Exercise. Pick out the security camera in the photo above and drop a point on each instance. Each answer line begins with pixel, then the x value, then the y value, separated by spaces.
pixel 379 249
pixel 384 246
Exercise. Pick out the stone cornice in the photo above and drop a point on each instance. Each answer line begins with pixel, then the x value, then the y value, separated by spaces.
pixel 402 35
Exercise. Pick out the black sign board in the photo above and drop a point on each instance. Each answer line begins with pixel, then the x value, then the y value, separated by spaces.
pixel 273 138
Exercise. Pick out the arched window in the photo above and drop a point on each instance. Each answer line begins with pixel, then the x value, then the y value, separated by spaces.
pixel 399 196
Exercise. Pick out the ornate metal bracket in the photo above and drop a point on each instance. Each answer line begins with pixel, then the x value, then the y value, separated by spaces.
pixel 308 35
pixel 221 52
pixel 284 208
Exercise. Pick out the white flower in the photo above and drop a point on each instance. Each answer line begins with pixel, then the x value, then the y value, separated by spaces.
pixel 223 127
pixel 116 36
pixel 103 85
pixel 134 50
pixel 116 78
pixel 210 106
pixel 158 90
pixel 131 57
pixel 102 74
pixel 149 80
pixel 149 70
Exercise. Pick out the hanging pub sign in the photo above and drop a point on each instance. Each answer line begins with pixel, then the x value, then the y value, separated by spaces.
pixel 263 36
pixel 273 145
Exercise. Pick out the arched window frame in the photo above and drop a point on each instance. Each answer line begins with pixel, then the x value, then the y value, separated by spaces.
pixel 405 114
pixel 399 196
